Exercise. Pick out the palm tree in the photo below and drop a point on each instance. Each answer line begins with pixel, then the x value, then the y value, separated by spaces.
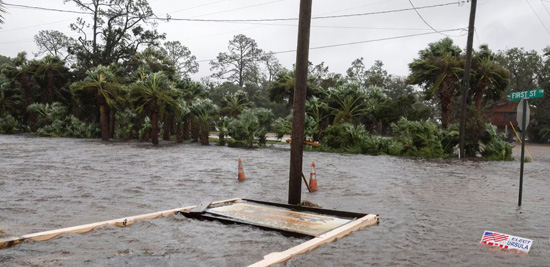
pixel 181 115
pixel 152 95
pixel 234 104
pixel 438 70
pixel 204 111
pixel 46 113
pixel 318 111
pixel 52 70
pixel 489 80
pixel 2 10
pixel 100 86
pixel 8 102
pixel 347 103
pixel 190 91
pixel 282 88
pixel 23 73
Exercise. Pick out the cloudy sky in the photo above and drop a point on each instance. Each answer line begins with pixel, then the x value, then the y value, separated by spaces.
pixel 502 24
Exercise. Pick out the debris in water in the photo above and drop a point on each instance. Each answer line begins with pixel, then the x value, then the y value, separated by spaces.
pixel 306 203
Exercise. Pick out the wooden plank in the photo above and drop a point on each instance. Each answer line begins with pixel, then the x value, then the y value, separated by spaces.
pixel 280 257
pixel 224 202
pixel 121 222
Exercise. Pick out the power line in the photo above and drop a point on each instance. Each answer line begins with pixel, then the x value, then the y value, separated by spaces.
pixel 425 22
pixel 36 25
pixel 318 17
pixel 335 27
pixel 547 11
pixel 477 37
pixel 537 15
pixel 239 8
pixel 250 20
pixel 47 9
pixel 360 42
pixel 195 7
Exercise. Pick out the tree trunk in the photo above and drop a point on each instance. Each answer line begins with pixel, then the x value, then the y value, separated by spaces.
pixel 204 131
pixel 103 121
pixel 221 138
pixel 112 113
pixel 166 128
pixel 479 99
pixel 179 133
pixel 446 103
pixel 49 97
pixel 195 130
pixel 155 127
pixel 187 129
pixel 26 84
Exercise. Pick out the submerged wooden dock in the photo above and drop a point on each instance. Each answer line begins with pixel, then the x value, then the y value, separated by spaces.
pixel 322 225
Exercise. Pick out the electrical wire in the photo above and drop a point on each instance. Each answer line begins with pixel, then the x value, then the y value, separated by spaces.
pixel 37 25
pixel 477 37
pixel 540 20
pixel 47 9
pixel 360 42
pixel 195 7
pixel 425 22
pixel 253 20
pixel 239 8
pixel 313 18
pixel 547 11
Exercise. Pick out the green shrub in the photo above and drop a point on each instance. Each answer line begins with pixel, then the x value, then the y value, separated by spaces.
pixel 337 136
pixel 244 128
pixel 8 125
pixel 57 128
pixel 78 128
pixel 144 132
pixel 395 148
pixel 282 126
pixel 125 126
pixel 497 149
pixel 419 139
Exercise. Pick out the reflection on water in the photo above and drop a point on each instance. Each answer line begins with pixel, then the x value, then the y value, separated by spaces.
pixel 432 213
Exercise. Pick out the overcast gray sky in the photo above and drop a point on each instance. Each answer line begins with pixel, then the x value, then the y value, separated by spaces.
pixel 502 24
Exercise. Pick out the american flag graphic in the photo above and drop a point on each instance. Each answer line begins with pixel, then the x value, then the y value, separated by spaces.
pixel 493 237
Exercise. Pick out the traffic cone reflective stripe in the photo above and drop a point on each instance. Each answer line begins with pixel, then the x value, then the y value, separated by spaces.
pixel 241 176
pixel 313 178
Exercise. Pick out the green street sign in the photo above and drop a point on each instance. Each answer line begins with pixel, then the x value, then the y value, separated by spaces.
pixel 537 93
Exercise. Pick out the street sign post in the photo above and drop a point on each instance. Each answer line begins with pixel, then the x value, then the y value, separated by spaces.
pixel 520 114
pixel 523 114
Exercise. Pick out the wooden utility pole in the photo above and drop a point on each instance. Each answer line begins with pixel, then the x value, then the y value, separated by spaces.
pixel 466 80
pixel 299 113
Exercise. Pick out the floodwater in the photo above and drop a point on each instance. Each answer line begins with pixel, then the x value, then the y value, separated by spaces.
pixel 432 212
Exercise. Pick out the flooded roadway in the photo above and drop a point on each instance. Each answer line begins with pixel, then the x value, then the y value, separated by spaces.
pixel 432 213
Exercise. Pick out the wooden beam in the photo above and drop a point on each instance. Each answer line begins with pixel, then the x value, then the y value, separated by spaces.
pixel 280 257
pixel 122 222
pixel 224 202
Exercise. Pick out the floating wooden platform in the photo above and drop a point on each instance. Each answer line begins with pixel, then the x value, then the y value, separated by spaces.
pixel 287 219
pixel 323 225
pixel 122 222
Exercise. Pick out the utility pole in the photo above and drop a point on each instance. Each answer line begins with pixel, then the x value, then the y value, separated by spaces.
pixel 299 113
pixel 466 80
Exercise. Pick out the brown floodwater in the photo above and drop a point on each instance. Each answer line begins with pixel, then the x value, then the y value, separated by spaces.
pixel 432 212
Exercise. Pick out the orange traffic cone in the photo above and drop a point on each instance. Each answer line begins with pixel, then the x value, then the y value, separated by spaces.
pixel 313 178
pixel 242 177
